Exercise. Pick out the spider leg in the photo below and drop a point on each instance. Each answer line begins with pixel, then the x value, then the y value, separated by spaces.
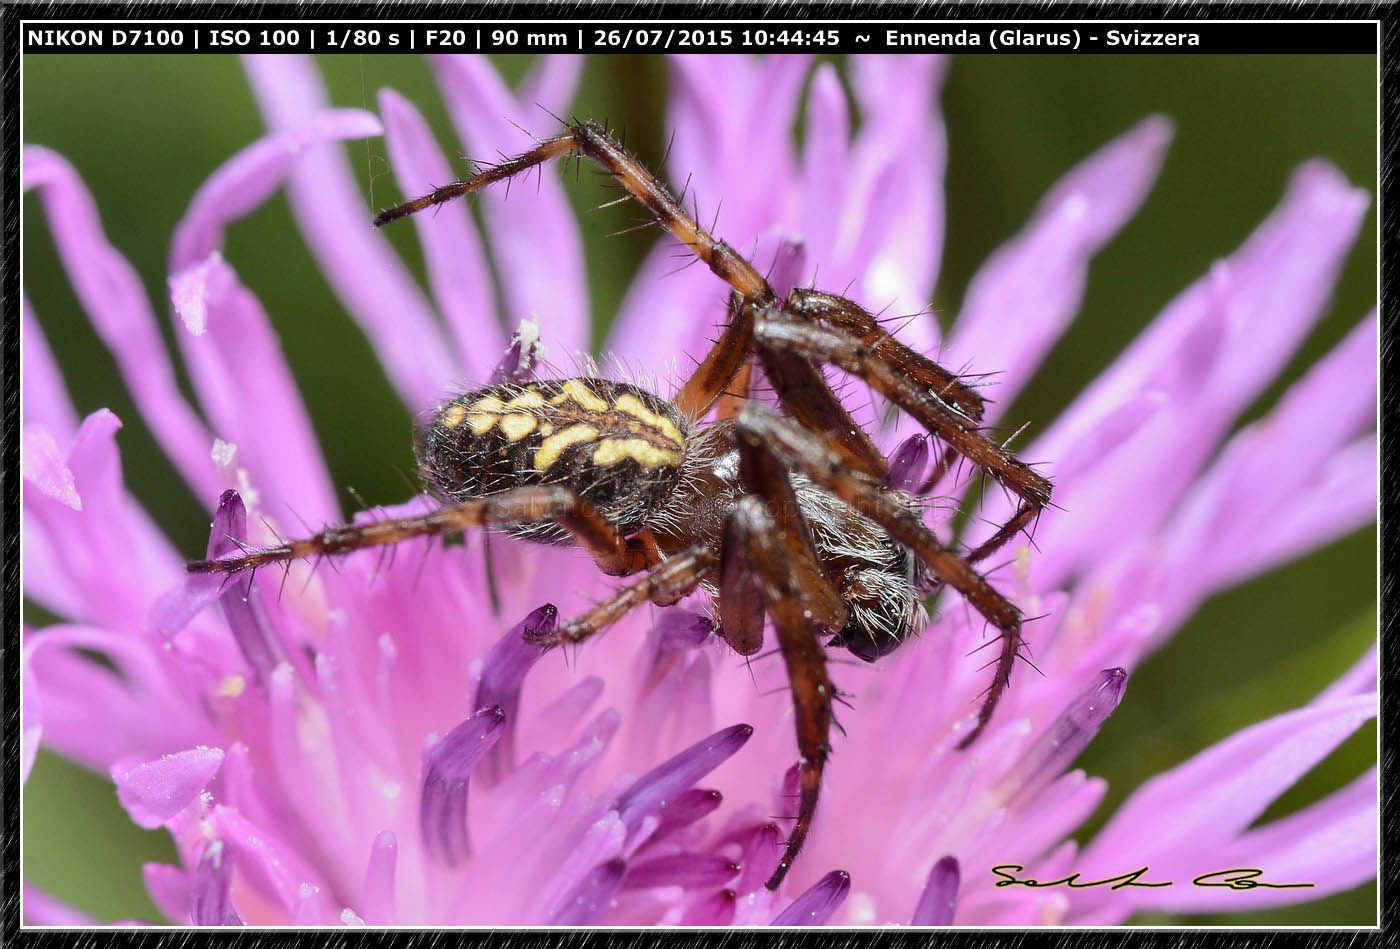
pixel 775 329
pixel 850 317
pixel 613 553
pixel 757 534
pixel 736 393
pixel 806 454
pixel 726 360
pixel 764 474
pixel 807 397
pixel 590 140
pixel 665 585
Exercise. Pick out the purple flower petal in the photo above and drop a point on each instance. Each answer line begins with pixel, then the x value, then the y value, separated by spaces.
pixel 446 767
pixel 667 312
pixel 170 888
pixel 312 909
pixel 211 903
pixel 592 897
pixel 940 897
pixel 115 301
pixel 155 791
pixel 109 554
pixel 680 629
pixel 716 910
pixel 242 604
pixel 251 176
pixel 817 904
pixel 378 897
pixel 1028 290
pixel 710 140
pixel 685 810
pixel 175 608
pixel 826 160
pixel 41 909
pixel 502 675
pixel 1331 842
pixel 891 230
pixel 457 269
pixel 46 400
pixel 591 842
pixel 375 287
pixel 266 862
pixel 760 850
pixel 1051 753
pixel 896 90
pixel 908 462
pixel 265 428
pixel 30 718
pixel 99 715
pixel 229 332
pixel 1211 351
pixel 1244 514
pixel 789 265
pixel 739 164
pixel 666 782
pixel 899 238
pixel 565 711
pixel 44 466
pixel 681 869
pixel 1215 795
pixel 534 238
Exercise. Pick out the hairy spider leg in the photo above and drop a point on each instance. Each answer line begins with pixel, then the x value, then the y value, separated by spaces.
pixel 842 314
pixel 806 395
pixel 590 140
pixel 731 360
pixel 805 453
pixel 812 689
pixel 666 584
pixel 776 329
pixel 615 555
pixel 850 317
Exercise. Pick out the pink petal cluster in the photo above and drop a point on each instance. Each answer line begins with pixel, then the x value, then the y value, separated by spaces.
pixel 376 744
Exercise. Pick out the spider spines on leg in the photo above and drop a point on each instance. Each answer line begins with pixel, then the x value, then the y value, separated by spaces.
pixel 636 227
pixel 528 134
pixel 1027 660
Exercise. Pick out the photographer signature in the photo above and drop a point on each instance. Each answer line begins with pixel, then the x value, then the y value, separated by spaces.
pixel 1238 878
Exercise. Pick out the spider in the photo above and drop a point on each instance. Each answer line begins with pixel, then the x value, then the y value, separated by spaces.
pixel 789 515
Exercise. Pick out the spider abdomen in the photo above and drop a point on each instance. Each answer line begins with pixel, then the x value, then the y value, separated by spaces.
pixel 618 446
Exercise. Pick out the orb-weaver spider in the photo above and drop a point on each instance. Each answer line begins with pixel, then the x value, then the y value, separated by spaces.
pixel 792 514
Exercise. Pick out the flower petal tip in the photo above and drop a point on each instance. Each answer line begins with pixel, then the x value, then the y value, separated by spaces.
pixel 667 781
pixel 155 791
pixel 818 903
pixel 940 896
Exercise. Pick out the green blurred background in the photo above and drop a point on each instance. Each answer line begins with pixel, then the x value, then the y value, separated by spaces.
pixel 145 131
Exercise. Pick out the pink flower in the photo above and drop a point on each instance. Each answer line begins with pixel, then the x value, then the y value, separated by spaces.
pixel 377 744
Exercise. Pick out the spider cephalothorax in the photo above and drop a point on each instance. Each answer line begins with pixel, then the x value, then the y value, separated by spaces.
pixel 789 515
